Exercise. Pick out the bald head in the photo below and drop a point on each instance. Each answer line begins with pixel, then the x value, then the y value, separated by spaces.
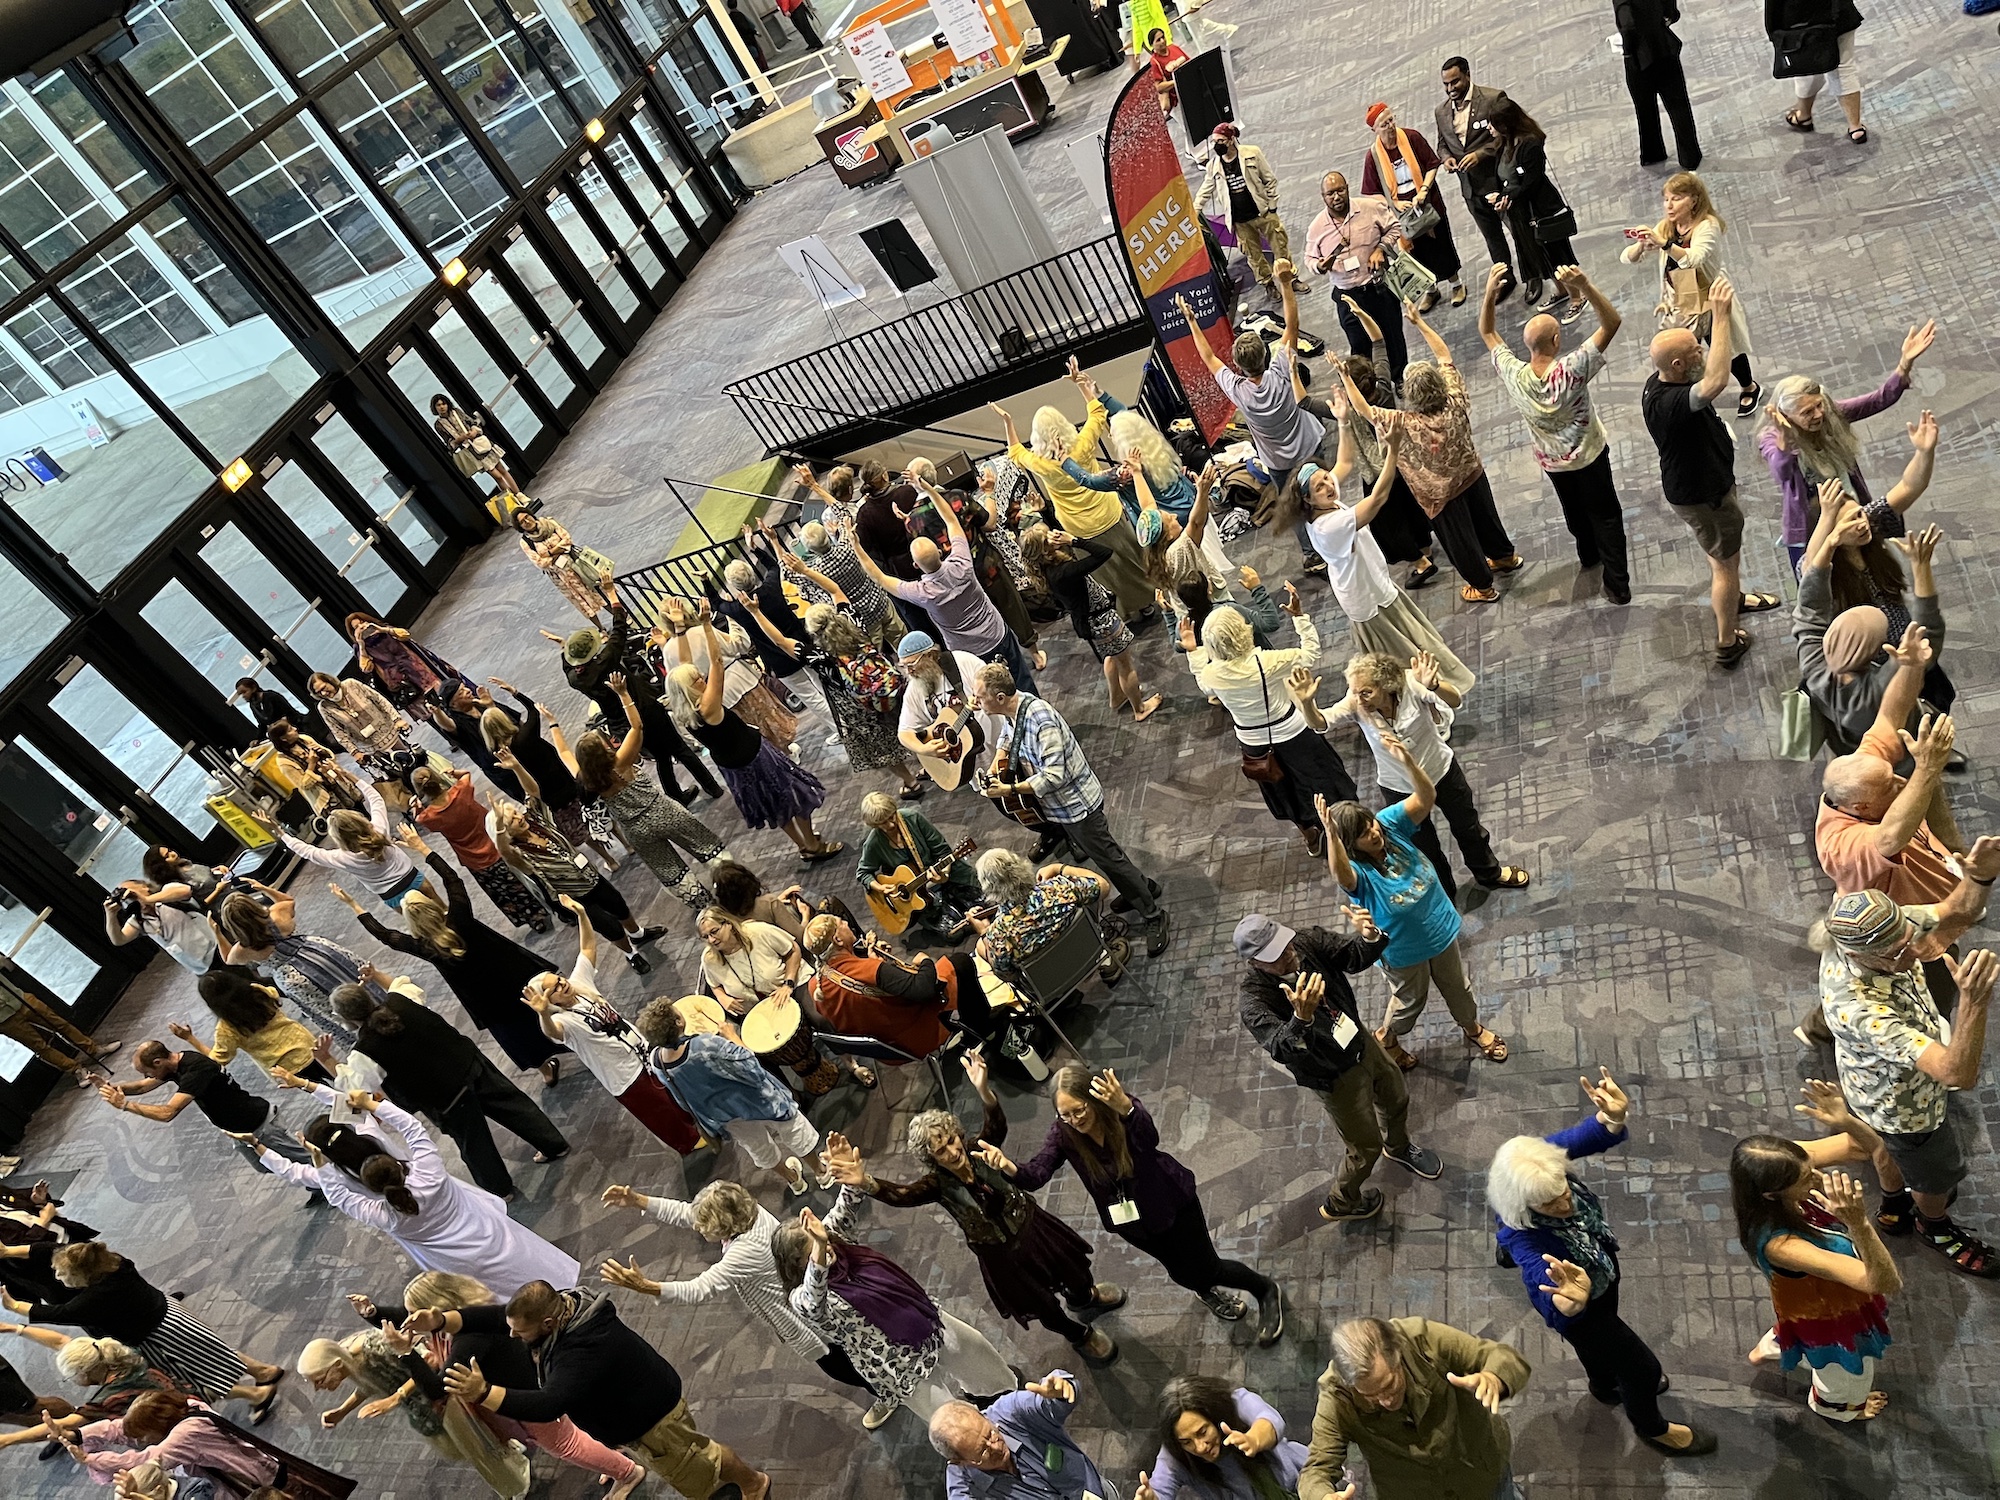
pixel 1863 785
pixel 1676 354
pixel 924 553
pixel 1543 335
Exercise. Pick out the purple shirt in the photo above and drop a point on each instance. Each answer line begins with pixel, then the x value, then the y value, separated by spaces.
pixel 1800 488
pixel 1159 1186
pixel 953 598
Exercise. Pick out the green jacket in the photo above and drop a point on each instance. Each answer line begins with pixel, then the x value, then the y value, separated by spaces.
pixel 879 856
pixel 1441 1444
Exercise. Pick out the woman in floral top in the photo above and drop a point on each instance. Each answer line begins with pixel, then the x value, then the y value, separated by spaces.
pixel 909 1350
pixel 863 691
pixel 1036 1268
pixel 1443 466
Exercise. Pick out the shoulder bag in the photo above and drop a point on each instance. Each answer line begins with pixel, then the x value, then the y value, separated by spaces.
pixel 1801 51
pixel 1262 766
pixel 1558 224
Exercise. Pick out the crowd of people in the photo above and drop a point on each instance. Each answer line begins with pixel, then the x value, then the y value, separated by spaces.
pixel 920 624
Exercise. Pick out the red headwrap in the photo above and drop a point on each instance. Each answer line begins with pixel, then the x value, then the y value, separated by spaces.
pixel 1375 112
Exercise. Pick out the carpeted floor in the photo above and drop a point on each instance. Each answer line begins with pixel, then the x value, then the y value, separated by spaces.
pixel 1669 844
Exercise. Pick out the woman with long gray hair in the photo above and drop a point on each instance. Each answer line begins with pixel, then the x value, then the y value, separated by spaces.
pixel 908 1350
pixel 1036 1268
pixel 863 689
pixel 1552 1228
pixel 1807 437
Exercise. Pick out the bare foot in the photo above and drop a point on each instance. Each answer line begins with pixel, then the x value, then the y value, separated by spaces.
pixel 1041 661
pixel 1873 1406
pixel 763 1487
pixel 1766 1352
pixel 1147 709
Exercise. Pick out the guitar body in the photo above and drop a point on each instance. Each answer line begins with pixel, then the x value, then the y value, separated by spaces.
pixel 892 912
pixel 962 743
pixel 1024 808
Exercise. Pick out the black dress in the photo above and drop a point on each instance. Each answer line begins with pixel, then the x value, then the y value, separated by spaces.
pixel 487 978
pixel 1532 195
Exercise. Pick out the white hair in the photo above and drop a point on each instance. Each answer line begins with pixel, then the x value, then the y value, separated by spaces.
pixel 683 695
pixel 89 1361
pixel 1227 634
pixel 816 537
pixel 1130 430
pixel 1053 434
pixel 739 575
pixel 947 1421
pixel 1005 876
pixel 922 468
pixel 1526 1170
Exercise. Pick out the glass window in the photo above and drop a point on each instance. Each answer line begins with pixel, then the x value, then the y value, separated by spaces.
pixel 122 172
pixel 391 498
pixel 655 205
pixel 57 345
pixel 125 298
pixel 182 244
pixel 199 74
pixel 17 387
pixel 312 37
pixel 509 96
pixel 584 63
pixel 514 326
pixel 28 620
pixel 562 310
pixel 696 67
pixel 90 835
pixel 598 258
pixel 591 181
pixel 259 584
pixel 418 383
pixel 415 150
pixel 344 544
pixel 158 763
pixel 648 135
pixel 210 646
pixel 56 968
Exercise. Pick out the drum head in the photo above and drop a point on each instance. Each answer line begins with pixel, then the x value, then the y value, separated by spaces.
pixel 701 1015
pixel 771 1024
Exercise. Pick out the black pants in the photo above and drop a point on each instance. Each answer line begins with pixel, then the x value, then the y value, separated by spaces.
pixel 1740 368
pixel 836 1364
pixel 1617 1360
pixel 1475 845
pixel 1486 217
pixel 1470 529
pixel 1590 508
pixel 665 744
pixel 1379 303
pixel 1092 840
pixel 1187 1254
pixel 801 20
pixel 489 1095
pixel 1663 84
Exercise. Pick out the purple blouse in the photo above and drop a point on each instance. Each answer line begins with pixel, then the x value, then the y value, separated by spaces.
pixel 1798 487
pixel 1159 1185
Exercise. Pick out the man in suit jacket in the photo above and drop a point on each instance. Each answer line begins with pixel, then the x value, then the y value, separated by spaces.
pixel 1653 77
pixel 1467 147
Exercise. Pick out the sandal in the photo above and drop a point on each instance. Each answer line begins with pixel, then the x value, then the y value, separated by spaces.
pixel 1897 1216
pixel 1756 604
pixel 825 852
pixel 1858 135
pixel 1506 564
pixel 1747 402
pixel 1472 595
pixel 1972 1256
pixel 1422 574
pixel 1398 1054
pixel 1735 651
pixel 1489 1043
pixel 1512 878
pixel 1799 122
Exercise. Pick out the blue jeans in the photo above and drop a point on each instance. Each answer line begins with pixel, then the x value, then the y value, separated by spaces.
pixel 1009 651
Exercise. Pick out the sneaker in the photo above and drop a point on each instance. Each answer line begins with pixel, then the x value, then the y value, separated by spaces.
pixel 1270 1316
pixel 1228 1306
pixel 1313 567
pixel 645 937
pixel 1571 313
pixel 1369 1206
pixel 1419 1159
pixel 880 1412
pixel 1159 933
pixel 638 962
pixel 797 1181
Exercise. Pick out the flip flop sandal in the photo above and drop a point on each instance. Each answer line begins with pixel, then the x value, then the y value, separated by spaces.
pixel 1472 595
pixel 1747 402
pixel 1150 707
pixel 1756 604
pixel 1493 1048
pixel 1512 878
pixel 1423 574
pixel 816 856
pixel 1798 122
pixel 1858 135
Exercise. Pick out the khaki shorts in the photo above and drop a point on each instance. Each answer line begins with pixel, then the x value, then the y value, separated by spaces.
pixel 1718 527
pixel 684 1458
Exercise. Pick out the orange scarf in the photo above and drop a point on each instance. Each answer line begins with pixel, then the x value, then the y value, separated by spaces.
pixel 1387 171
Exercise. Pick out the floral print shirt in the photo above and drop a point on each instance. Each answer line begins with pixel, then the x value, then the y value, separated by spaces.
pixel 1880 1022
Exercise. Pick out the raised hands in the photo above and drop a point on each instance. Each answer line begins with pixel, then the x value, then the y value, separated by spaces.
pixel 1051 1387
pixel 1924 433
pixel 1915 343
pixel 1607 1098
pixel 843 1161
pixel 1290 603
pixel 1915 649
pixel 1931 744
pixel 1566 1283
pixel 975 1069
pixel 620 1196
pixel 1424 667
pixel 1921 546
pixel 631 1276
pixel 1108 1091
pixel 1306 996
pixel 1304 688
pixel 1826 1104
pixel 1483 1384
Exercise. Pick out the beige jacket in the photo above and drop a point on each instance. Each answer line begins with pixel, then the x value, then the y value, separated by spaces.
pixel 1213 199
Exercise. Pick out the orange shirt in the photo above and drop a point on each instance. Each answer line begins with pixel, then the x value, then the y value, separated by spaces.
pixel 1921 875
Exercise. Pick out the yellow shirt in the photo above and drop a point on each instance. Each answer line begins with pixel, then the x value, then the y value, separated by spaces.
pixel 282 1044
pixel 1079 511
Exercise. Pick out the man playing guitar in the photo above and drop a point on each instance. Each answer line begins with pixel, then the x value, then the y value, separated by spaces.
pixel 898 840
pixel 935 725
pixel 1043 760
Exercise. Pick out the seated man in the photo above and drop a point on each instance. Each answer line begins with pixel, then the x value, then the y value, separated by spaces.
pixel 1018 1446
pixel 1032 906
pixel 863 991
pixel 899 839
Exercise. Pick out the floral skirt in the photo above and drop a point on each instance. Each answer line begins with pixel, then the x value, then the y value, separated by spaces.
pixel 761 710
pixel 772 789
pixel 511 894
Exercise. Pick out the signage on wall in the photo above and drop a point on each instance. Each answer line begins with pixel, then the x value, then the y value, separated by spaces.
pixel 876 61
pixel 1154 210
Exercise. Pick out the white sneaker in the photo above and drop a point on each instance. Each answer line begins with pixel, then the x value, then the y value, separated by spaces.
pixel 797 1181
pixel 879 1413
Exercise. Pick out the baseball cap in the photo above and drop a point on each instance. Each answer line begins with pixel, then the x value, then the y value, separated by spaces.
pixel 1866 922
pixel 1261 938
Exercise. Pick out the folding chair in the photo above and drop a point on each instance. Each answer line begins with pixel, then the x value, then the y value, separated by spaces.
pixel 1056 972
pixel 876 1050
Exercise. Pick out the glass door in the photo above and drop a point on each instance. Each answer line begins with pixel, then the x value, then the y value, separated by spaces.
pixel 566 318
pixel 517 320
pixel 598 250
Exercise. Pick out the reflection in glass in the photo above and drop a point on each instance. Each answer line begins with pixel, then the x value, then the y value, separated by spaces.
pixel 344 544
pixel 391 498
pixel 658 209
pixel 121 294
pixel 591 180
pixel 91 836
pixel 648 135
pixel 312 37
pixel 515 328
pixel 258 583
pixel 28 621
pixel 696 67
pixel 198 73
pixel 75 117
pixel 210 646
pixel 156 762
pixel 598 259
pixel 509 97
pixel 562 311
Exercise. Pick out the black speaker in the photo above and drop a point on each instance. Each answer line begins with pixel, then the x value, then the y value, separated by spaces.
pixel 902 260
pixel 1204 90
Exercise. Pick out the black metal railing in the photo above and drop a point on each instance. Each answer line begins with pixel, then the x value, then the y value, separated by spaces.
pixel 885 373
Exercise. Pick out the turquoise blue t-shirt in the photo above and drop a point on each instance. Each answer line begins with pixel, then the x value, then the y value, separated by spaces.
pixel 1403 895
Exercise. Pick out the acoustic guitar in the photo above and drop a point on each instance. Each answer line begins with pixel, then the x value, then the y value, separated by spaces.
pixel 947 765
pixel 904 897
pixel 1024 808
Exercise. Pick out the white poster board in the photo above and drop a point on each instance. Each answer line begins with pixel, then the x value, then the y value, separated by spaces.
pixel 87 419
pixel 1086 159
pixel 964 25
pixel 876 61
pixel 825 277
